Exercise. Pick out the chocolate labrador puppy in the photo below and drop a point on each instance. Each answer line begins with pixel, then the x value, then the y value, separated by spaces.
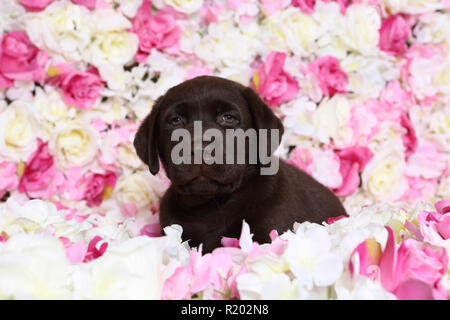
pixel 210 200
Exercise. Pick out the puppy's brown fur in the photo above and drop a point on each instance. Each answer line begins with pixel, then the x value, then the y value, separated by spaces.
pixel 210 201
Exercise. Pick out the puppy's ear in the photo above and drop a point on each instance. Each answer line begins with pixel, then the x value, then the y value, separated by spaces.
pixel 145 140
pixel 263 117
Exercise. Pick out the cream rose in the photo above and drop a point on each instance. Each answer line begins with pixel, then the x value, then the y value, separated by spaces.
pixel 127 157
pixel 50 106
pixel 74 144
pixel 383 178
pixel 115 47
pixel 140 188
pixel 292 29
pixel 359 29
pixel 18 131
pixel 62 28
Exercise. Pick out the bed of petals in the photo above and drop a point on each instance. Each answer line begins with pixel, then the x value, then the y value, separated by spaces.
pixel 362 88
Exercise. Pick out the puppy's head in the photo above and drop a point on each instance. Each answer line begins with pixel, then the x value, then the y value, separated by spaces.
pixel 195 106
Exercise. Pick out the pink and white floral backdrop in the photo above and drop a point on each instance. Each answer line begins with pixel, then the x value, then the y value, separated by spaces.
pixel 362 87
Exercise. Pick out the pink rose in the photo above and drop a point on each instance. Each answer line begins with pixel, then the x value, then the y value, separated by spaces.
pixel 158 31
pixel 352 162
pixel 93 252
pixel 332 79
pixel 413 271
pixel 95 186
pixel 5 82
pixel 8 177
pixel 307 6
pixel 302 159
pixel 409 138
pixel 210 13
pixel 270 7
pixel 35 5
pixel 434 227
pixel 40 178
pixel 394 32
pixel 419 189
pixel 396 96
pixel 90 4
pixel 20 59
pixel 81 88
pixel 274 84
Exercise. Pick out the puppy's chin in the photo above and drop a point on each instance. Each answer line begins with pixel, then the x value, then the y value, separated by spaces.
pixel 204 186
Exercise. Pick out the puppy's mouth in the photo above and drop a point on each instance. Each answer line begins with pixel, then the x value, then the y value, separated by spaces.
pixel 206 186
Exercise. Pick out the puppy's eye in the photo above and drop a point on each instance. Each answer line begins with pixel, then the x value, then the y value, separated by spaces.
pixel 227 119
pixel 176 122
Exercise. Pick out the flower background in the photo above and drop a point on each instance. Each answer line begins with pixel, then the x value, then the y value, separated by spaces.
pixel 362 88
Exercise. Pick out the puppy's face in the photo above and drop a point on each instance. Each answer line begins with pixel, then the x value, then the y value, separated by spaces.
pixel 195 106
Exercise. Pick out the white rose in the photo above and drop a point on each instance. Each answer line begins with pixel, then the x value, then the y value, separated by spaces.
pixel 218 48
pixel 117 78
pixel 383 178
pixel 368 75
pixel 128 270
pixel 388 136
pixel 140 188
pixel 50 106
pixel 22 90
pixel 109 111
pixel 129 7
pixel 10 12
pixel 432 28
pixel 438 128
pixel 62 28
pixel 413 6
pixel 326 168
pixel 114 47
pixel 185 6
pixel 107 19
pixel 291 29
pixel 18 131
pixel 331 121
pixel 34 267
pixel 360 29
pixel 141 108
pixel 239 73
pixel 31 216
pixel 74 144
pixel 299 116
pixel 428 75
pixel 190 36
